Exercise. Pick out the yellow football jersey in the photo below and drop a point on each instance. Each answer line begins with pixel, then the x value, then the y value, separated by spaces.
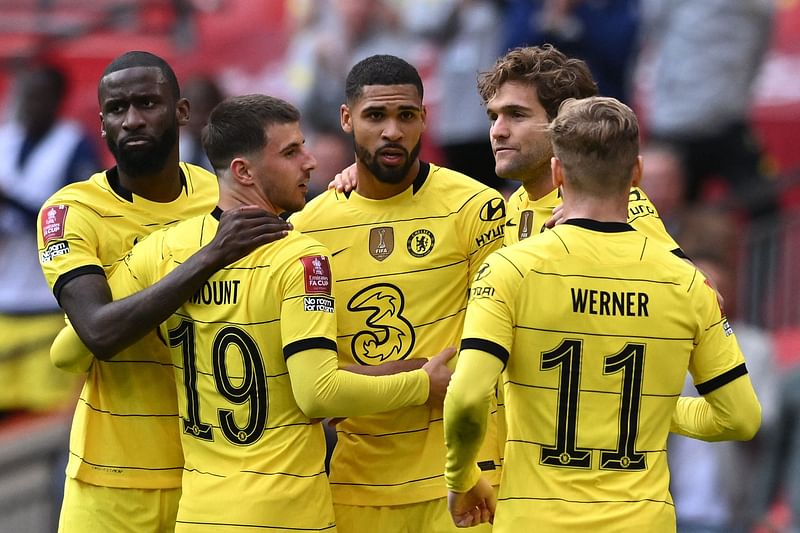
pixel 403 267
pixel 124 431
pixel 526 217
pixel 597 329
pixel 241 429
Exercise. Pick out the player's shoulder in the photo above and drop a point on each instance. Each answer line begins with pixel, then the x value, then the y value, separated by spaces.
pixel 461 193
pixel 199 180
pixel 516 199
pixel 637 195
pixel 319 208
pixel 296 245
pixel 85 191
pixel 456 184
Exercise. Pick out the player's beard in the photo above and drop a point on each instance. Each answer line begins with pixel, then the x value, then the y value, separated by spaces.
pixel 385 174
pixel 145 162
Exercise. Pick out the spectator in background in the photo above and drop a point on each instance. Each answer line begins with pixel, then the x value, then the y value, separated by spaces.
pixel 40 152
pixel 705 57
pixel 713 484
pixel 203 94
pixel 601 32
pixel 343 32
pixel 665 183
pixel 328 38
pixel 466 36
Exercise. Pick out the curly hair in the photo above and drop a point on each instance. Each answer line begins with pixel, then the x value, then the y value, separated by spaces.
pixel 553 75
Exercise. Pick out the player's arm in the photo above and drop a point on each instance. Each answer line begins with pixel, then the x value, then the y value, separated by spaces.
pixel 728 408
pixel 466 411
pixel 730 412
pixel 322 389
pixel 68 352
pixel 107 326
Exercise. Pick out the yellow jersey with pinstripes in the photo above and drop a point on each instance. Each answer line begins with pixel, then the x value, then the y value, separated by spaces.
pixel 403 267
pixel 241 429
pixel 597 327
pixel 124 431
pixel 526 217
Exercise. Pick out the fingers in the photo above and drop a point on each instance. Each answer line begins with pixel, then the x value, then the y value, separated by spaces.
pixel 445 355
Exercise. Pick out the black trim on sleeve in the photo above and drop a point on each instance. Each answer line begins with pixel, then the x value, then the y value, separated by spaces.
pixel 66 277
pixel 723 379
pixel 486 346
pixel 308 344
pixel 680 253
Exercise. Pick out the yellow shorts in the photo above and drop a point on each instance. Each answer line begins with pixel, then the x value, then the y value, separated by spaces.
pixel 423 517
pixel 28 380
pixel 93 509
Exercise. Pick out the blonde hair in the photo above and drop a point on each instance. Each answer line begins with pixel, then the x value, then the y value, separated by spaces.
pixel 597 141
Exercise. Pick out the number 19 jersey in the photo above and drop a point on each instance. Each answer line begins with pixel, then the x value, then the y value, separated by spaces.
pixel 242 431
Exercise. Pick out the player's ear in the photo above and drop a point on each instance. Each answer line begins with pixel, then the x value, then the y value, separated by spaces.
pixel 557 172
pixel 346 119
pixel 182 109
pixel 240 171
pixel 102 125
pixel 636 172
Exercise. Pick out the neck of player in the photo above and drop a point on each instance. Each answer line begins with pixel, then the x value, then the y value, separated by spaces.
pixel 608 209
pixel 232 196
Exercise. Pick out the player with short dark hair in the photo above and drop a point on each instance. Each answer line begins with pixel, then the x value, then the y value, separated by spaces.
pixel 593 330
pixel 406 242
pixel 125 464
pixel 254 349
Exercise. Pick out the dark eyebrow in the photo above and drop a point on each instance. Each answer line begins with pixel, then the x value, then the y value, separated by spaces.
pixel 509 108
pixel 291 146
pixel 383 108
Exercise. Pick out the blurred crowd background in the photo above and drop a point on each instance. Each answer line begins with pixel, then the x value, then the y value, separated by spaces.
pixel 715 84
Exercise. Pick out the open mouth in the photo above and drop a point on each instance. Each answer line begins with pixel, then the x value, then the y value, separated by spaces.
pixel 392 157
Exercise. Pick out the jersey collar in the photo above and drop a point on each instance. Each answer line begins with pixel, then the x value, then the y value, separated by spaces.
pixel 596 225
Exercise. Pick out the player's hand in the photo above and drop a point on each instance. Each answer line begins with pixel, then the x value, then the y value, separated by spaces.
pixel 556 218
pixel 439 374
pixel 242 230
pixel 345 181
pixel 476 506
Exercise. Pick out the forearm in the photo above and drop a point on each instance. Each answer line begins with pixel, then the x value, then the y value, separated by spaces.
pixel 731 412
pixel 68 352
pixel 323 390
pixel 108 326
pixel 466 412
pixel 387 369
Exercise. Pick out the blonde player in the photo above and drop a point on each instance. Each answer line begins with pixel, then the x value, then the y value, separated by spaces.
pixel 594 329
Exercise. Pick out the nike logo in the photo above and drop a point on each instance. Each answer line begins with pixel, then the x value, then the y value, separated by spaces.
pixel 510 224
pixel 334 254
